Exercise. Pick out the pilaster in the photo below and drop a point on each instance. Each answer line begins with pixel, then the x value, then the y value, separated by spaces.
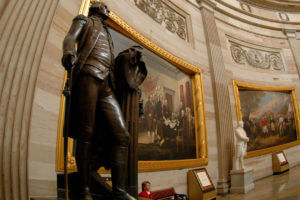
pixel 221 98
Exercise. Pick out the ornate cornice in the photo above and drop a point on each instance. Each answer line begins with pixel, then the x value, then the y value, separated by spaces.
pixel 207 2
pixel 290 33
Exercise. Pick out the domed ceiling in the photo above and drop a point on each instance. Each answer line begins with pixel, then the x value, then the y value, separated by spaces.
pixel 283 5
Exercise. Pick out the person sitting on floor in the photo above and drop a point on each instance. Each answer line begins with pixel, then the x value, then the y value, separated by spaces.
pixel 146 193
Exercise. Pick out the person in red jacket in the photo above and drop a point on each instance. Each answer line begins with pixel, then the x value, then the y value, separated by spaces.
pixel 146 193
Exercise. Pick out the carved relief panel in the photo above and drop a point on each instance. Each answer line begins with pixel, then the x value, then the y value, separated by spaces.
pixel 167 15
pixel 256 56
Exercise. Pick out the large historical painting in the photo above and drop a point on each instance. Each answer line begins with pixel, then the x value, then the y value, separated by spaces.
pixel 269 116
pixel 167 128
pixel 172 132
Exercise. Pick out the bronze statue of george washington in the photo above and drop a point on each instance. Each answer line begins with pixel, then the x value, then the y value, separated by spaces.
pixel 93 101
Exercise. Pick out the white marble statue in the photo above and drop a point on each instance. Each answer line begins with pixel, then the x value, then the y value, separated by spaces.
pixel 240 141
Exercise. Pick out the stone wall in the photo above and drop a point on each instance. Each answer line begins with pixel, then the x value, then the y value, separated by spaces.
pixel 46 102
pixel 30 85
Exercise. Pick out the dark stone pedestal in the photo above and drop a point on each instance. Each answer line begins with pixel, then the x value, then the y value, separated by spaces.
pixel 99 188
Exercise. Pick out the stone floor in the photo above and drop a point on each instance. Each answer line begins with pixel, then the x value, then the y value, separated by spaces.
pixel 285 186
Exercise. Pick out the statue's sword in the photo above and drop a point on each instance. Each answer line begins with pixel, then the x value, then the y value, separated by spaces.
pixel 67 94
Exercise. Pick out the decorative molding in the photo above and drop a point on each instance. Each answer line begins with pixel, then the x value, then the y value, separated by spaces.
pixel 245 7
pixel 297 34
pixel 71 162
pixel 256 58
pixel 287 6
pixel 261 33
pixel 165 15
pixel 283 16
pixel 207 2
pixel 276 23
pixel 290 33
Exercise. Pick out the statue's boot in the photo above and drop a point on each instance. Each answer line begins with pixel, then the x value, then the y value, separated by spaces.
pixel 86 194
pixel 242 163
pixel 234 166
pixel 119 173
pixel 83 154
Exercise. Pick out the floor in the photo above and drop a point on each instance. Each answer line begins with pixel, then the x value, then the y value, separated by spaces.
pixel 285 186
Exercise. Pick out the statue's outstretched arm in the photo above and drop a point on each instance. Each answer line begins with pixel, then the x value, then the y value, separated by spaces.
pixel 241 137
pixel 69 51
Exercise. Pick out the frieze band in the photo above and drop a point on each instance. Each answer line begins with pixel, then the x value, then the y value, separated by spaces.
pixel 256 58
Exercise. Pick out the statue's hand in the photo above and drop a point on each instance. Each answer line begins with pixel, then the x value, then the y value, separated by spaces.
pixel 68 61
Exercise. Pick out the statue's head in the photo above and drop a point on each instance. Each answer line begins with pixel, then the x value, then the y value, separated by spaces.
pixel 99 9
pixel 241 124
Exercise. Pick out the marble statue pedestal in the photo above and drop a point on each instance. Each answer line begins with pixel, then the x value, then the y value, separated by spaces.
pixel 241 181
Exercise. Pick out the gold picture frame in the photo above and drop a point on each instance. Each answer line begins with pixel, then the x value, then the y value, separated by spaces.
pixel 122 27
pixel 237 85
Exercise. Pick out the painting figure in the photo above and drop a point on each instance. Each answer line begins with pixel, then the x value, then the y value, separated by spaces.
pixel 272 125
pixel 165 110
pixel 149 110
pixel 281 127
pixel 264 125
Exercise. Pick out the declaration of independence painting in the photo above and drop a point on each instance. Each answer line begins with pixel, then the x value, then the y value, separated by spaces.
pixel 167 128
pixel 166 132
pixel 269 118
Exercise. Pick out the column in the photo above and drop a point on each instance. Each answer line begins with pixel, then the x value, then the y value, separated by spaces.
pixel 24 26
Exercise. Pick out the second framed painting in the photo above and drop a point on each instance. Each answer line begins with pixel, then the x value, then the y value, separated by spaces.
pixel 270 116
